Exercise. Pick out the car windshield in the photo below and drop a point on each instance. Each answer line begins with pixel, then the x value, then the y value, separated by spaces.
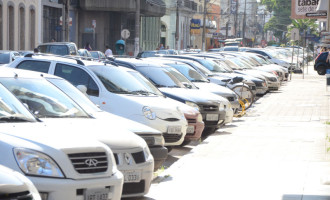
pixel 181 78
pixel 58 50
pixel 190 73
pixel 238 62
pixel 232 64
pixel 11 109
pixel 119 81
pixel 260 60
pixel 160 77
pixel 211 65
pixel 151 88
pixel 224 66
pixel 95 54
pixel 75 94
pixel 4 58
pixel 43 99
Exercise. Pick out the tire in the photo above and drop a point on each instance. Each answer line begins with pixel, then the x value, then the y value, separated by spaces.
pixel 245 94
pixel 321 70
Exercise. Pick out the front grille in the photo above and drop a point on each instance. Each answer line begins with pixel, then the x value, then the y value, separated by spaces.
pixel 209 107
pixel 171 119
pixel 169 138
pixel 191 121
pixel 253 87
pixel 134 188
pixel 259 84
pixel 26 195
pixel 230 98
pixel 272 79
pixel 139 157
pixel 93 162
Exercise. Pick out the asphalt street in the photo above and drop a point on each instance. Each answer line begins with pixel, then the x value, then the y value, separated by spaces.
pixel 277 151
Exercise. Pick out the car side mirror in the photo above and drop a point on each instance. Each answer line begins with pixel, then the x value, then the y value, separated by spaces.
pixel 83 89
pixel 187 85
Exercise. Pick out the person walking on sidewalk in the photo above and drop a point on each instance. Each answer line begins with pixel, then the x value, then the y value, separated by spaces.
pixel 108 51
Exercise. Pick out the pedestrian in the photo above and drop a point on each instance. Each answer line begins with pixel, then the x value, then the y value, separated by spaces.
pixel 88 46
pixel 35 50
pixel 318 50
pixel 53 40
pixel 161 46
pixel 108 51
pixel 324 49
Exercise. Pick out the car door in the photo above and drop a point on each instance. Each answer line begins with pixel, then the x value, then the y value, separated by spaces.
pixel 78 76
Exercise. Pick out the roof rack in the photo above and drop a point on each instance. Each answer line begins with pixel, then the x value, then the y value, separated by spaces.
pixel 76 58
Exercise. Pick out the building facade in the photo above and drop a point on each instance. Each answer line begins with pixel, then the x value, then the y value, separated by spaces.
pixel 20 24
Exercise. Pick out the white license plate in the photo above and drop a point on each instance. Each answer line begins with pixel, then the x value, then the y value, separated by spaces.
pixel 212 117
pixel 190 129
pixel 132 176
pixel 96 194
pixel 174 129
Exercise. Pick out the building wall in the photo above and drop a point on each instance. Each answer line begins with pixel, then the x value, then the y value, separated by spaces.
pixel 19 24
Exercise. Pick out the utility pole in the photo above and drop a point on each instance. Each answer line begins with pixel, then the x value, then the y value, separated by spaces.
pixel 177 26
pixel 244 24
pixel 263 27
pixel 204 28
pixel 236 18
pixel 65 20
pixel 227 24
pixel 137 29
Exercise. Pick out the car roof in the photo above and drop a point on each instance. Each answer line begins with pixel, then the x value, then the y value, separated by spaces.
pixel 51 57
pixel 56 43
pixel 13 72
pixel 136 62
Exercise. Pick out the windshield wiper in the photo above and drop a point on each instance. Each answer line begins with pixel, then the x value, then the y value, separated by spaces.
pixel 199 81
pixel 14 119
pixel 158 85
pixel 143 92
pixel 173 86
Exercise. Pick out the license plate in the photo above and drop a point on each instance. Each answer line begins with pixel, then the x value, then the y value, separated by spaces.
pixel 212 117
pixel 190 129
pixel 132 176
pixel 174 129
pixel 96 194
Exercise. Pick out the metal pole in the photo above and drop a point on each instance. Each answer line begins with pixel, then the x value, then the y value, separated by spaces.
pixel 244 24
pixel 177 26
pixel 204 24
pixel 67 19
pixel 303 65
pixel 63 22
pixel 137 29
pixel 290 69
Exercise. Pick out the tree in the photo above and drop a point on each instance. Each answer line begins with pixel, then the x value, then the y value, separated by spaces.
pixel 280 20
pixel 303 25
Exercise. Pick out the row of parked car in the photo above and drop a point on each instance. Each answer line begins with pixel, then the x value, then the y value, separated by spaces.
pixel 87 129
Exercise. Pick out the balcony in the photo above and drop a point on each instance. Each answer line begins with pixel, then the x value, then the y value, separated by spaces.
pixel 149 8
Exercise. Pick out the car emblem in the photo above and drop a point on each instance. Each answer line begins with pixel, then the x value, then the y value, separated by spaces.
pixel 91 162
pixel 127 158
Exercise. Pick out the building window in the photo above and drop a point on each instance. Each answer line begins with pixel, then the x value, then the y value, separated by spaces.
pixel 21 28
pixel 11 27
pixel 32 28
pixel 163 28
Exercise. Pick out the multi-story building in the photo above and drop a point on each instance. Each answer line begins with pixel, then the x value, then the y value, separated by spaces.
pixel 19 24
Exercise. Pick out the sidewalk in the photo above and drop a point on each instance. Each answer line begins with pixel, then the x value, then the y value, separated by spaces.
pixel 276 152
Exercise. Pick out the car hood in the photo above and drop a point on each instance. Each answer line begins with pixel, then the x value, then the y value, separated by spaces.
pixel 216 89
pixel 235 74
pixel 40 135
pixel 116 137
pixel 251 73
pixel 192 95
pixel 131 125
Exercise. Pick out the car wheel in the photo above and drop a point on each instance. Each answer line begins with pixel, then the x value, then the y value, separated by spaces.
pixel 321 71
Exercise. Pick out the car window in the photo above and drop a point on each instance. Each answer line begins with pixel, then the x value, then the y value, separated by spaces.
pixel 77 76
pixel 95 54
pixel 58 49
pixel 38 66
pixel 4 58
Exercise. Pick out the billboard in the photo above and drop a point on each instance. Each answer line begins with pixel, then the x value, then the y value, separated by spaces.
pixel 305 9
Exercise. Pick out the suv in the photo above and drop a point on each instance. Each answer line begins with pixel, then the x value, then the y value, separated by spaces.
pixel 54 107
pixel 59 48
pixel 320 63
pixel 59 160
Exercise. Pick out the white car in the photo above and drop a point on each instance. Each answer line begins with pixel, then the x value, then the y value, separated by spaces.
pixel 153 137
pixel 115 91
pixel 53 107
pixel 60 165
pixel 14 185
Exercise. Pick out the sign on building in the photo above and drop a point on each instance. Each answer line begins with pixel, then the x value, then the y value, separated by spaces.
pixel 305 9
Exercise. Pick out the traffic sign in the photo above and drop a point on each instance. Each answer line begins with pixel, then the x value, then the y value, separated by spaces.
pixel 295 34
pixel 125 34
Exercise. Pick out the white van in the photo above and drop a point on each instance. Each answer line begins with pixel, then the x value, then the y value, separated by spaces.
pixel 61 165
pixel 115 91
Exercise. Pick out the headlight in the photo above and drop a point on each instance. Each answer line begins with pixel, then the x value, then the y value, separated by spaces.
pixel 148 113
pixel 189 103
pixel 36 163
pixel 222 106
pixel 146 152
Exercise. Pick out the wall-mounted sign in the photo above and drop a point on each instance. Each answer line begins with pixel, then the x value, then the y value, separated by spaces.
pixel 305 9
pixel 195 24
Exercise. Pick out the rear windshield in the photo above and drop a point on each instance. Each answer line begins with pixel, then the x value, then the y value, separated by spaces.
pixel 54 49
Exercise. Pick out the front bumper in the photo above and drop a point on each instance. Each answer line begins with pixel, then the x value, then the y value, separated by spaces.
pixel 214 123
pixel 160 154
pixel 195 127
pixel 75 189
pixel 273 85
